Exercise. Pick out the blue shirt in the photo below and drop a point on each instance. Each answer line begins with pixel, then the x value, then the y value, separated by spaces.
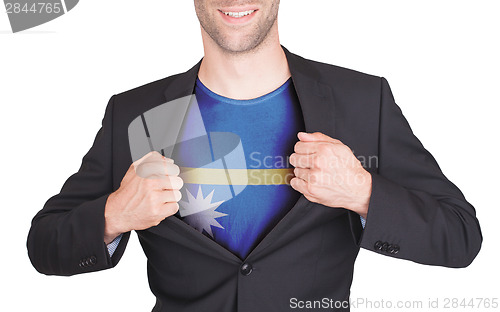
pixel 257 136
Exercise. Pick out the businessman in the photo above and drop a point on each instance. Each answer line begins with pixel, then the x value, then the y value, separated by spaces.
pixel 262 244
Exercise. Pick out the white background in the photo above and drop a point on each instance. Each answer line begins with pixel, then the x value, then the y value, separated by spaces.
pixel 441 59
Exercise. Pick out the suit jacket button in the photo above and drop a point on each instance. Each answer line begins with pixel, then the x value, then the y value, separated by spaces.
pixel 378 245
pixel 246 269
pixel 384 246
pixel 93 260
pixel 390 249
pixel 396 249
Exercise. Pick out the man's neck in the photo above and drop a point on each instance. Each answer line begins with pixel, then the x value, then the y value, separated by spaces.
pixel 244 76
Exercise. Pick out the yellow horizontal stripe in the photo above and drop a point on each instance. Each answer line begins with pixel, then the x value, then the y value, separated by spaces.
pixel 236 176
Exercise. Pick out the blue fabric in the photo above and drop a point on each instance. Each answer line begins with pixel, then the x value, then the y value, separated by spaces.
pixel 363 221
pixel 267 127
pixel 112 246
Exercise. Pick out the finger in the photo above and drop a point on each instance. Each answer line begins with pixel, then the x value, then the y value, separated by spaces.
pixel 169 160
pixel 157 169
pixel 157 157
pixel 133 167
pixel 300 185
pixel 311 176
pixel 302 161
pixel 305 147
pixel 172 183
pixel 302 147
pixel 171 208
pixel 316 137
pixel 172 169
pixel 170 196
pixel 301 173
pixel 143 158
pixel 152 156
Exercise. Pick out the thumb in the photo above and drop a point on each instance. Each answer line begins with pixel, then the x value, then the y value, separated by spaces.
pixel 152 154
pixel 152 157
pixel 316 137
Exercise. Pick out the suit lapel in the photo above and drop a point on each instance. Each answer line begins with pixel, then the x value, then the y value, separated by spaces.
pixel 317 104
pixel 316 98
pixel 183 84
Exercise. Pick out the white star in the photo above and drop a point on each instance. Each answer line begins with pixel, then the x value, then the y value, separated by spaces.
pixel 199 211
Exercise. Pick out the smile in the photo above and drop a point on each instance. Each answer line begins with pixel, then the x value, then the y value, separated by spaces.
pixel 239 14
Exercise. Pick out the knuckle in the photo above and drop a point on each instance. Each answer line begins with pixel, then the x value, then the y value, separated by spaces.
pixel 317 161
pixel 142 170
pixel 157 221
pixel 177 170
pixel 144 166
pixel 172 208
pixel 343 149
pixel 300 161
pixel 311 189
pixel 324 148
pixel 148 183
pixel 154 210
pixel 177 195
pixel 172 169
pixel 167 184
pixel 311 199
pixel 296 146
pixel 314 177
pixel 166 196
pixel 337 141
pixel 177 182
pixel 314 172
pixel 154 155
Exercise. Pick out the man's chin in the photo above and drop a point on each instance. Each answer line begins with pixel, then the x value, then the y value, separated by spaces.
pixel 239 46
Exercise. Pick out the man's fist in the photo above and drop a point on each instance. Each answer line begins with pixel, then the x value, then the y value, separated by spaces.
pixel 327 172
pixel 148 193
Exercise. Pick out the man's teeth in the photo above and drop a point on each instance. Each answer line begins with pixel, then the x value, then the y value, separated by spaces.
pixel 239 14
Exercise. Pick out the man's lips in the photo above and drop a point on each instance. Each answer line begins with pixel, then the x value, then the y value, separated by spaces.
pixel 237 16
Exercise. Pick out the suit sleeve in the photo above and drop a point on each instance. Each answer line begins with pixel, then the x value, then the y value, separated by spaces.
pixel 67 236
pixel 415 212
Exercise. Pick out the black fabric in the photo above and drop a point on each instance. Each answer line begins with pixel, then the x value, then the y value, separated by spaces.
pixel 415 212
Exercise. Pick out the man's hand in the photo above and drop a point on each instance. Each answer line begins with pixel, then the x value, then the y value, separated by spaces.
pixel 327 172
pixel 148 193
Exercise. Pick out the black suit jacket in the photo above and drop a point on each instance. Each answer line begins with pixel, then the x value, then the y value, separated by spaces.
pixel 415 212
